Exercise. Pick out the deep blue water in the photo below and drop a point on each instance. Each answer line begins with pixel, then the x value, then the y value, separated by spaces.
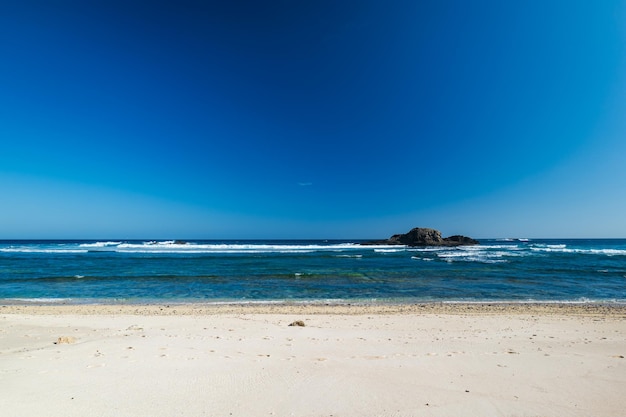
pixel 336 271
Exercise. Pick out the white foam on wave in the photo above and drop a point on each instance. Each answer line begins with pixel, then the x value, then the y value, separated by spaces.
pixel 465 248
pixel 480 259
pixel 99 244
pixel 225 248
pixel 428 249
pixel 179 247
pixel 41 250
pixel 565 249
pixel 395 250
pixel 296 251
pixel 547 246
pixel 478 254
pixel 419 258
pixel 173 247
pixel 608 252
pixel 502 247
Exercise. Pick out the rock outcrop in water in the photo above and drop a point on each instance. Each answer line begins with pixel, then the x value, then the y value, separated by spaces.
pixel 421 236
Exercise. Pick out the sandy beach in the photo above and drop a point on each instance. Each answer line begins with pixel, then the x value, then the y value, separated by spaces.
pixel 360 360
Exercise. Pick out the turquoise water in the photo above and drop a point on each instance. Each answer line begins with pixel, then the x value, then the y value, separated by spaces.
pixel 311 271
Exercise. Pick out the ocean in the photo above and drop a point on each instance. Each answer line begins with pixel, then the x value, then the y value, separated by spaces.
pixel 137 272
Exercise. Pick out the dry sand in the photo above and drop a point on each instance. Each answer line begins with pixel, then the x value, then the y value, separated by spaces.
pixel 407 360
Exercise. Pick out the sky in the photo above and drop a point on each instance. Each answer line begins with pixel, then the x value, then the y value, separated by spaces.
pixel 312 119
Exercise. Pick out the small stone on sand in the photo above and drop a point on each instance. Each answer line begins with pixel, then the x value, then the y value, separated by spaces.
pixel 65 340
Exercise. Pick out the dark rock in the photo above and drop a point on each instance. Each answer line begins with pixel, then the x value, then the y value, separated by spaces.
pixel 421 236
pixel 461 240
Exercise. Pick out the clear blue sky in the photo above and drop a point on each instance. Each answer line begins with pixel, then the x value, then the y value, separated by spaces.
pixel 312 119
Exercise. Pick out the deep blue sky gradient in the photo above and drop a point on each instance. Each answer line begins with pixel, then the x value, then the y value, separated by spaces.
pixel 312 119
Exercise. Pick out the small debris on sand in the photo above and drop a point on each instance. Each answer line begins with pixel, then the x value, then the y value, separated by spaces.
pixel 65 340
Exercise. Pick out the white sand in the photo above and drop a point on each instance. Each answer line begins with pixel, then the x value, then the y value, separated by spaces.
pixel 347 361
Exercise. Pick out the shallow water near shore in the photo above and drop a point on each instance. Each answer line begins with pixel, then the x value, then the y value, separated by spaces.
pixel 546 270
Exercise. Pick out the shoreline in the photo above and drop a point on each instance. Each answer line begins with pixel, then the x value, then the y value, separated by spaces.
pixel 349 309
